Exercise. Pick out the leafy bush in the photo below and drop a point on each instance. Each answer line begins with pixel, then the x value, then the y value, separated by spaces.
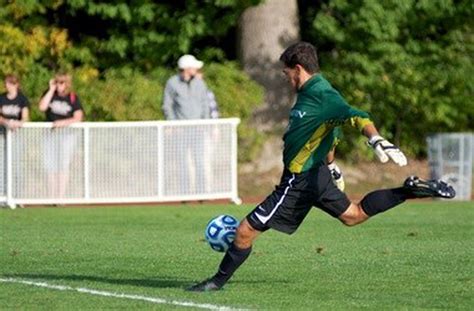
pixel 121 95
pixel 408 63
pixel 237 96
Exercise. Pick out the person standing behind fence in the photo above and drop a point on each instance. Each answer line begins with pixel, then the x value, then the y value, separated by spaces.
pixel 14 106
pixel 62 107
pixel 211 138
pixel 185 98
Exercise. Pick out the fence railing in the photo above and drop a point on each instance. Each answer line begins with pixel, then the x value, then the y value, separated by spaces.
pixel 119 162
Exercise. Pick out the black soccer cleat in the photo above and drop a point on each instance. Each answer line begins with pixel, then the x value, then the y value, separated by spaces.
pixel 205 286
pixel 423 188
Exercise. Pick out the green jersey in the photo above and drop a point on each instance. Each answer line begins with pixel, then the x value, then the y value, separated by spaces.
pixel 310 135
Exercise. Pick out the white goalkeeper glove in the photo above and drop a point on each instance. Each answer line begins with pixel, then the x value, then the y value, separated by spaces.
pixel 386 150
pixel 336 175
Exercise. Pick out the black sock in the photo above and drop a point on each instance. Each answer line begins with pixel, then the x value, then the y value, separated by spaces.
pixel 382 200
pixel 232 260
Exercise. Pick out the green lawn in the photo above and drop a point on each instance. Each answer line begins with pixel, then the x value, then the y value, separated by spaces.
pixel 419 256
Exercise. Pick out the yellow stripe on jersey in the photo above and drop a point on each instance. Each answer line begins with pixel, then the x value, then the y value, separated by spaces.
pixel 296 165
pixel 360 122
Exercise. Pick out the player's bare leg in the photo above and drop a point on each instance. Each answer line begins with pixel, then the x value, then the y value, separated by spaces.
pixel 233 258
pixel 245 235
pixel 354 215
pixel 372 204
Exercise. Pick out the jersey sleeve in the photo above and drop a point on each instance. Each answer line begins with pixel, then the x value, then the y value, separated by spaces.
pixel 24 102
pixel 338 112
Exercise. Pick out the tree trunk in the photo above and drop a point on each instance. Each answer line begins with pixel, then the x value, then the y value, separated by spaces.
pixel 265 31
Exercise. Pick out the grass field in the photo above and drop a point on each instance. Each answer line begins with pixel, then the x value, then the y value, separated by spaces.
pixel 419 256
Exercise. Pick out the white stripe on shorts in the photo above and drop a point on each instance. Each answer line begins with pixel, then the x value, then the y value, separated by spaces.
pixel 265 219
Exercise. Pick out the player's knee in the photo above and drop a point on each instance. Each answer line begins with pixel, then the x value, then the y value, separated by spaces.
pixel 350 222
pixel 245 235
pixel 244 231
pixel 353 216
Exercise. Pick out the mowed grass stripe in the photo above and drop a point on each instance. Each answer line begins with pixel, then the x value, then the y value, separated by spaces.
pixel 415 256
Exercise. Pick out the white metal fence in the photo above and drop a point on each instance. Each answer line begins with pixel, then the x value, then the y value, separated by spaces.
pixel 119 162
pixel 451 157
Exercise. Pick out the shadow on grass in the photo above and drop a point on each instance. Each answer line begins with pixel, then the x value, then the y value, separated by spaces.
pixel 163 282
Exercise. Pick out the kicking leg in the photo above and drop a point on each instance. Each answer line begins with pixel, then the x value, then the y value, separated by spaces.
pixel 382 200
pixel 233 258
pixel 373 203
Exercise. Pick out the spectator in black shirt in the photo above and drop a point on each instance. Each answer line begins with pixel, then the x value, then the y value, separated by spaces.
pixel 62 107
pixel 14 106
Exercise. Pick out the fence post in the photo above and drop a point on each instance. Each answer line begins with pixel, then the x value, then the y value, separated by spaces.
pixel 86 163
pixel 234 159
pixel 10 200
pixel 161 166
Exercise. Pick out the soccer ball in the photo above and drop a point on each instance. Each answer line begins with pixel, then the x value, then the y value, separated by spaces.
pixel 220 232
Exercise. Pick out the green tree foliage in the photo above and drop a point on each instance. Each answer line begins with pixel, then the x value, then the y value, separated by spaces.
pixel 407 62
pixel 122 52
pixel 237 95
pixel 143 32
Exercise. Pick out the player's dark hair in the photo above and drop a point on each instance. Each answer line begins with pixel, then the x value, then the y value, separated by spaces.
pixel 303 54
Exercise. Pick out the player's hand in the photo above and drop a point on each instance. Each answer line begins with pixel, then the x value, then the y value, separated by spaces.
pixel 386 150
pixel 336 175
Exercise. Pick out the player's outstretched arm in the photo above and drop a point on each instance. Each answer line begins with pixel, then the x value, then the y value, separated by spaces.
pixel 383 149
pixel 339 110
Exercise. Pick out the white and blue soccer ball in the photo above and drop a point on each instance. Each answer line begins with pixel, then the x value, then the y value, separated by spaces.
pixel 220 232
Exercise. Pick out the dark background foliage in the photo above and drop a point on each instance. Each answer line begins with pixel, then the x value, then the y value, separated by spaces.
pixel 407 62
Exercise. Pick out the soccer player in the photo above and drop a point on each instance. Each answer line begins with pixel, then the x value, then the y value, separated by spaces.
pixel 306 180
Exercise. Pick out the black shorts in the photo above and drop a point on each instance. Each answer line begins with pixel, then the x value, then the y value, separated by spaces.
pixel 292 199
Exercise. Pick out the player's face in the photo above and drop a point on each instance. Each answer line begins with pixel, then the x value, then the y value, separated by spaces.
pixel 293 76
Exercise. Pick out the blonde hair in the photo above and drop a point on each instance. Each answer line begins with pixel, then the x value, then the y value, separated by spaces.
pixel 66 78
